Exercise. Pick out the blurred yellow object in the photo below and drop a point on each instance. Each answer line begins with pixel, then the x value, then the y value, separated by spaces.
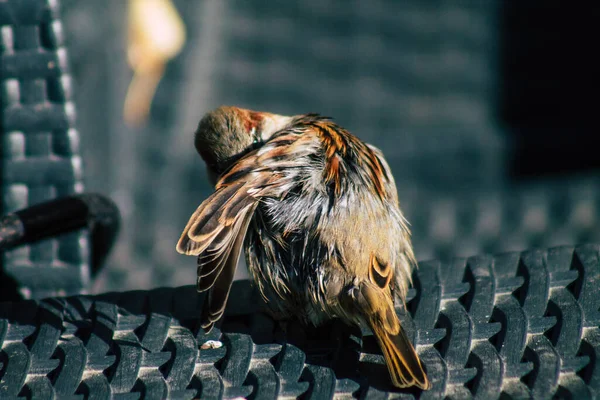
pixel 156 35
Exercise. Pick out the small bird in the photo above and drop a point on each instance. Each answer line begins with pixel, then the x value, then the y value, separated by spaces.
pixel 316 211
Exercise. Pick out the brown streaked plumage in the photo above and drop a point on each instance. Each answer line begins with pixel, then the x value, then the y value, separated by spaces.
pixel 316 211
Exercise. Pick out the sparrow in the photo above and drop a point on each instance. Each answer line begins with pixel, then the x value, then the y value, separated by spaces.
pixel 316 211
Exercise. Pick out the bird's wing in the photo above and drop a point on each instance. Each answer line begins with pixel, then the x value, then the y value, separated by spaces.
pixel 215 232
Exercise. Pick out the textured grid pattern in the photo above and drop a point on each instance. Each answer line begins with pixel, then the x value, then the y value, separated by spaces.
pixel 414 78
pixel 40 158
pixel 384 66
pixel 514 325
pixel 547 213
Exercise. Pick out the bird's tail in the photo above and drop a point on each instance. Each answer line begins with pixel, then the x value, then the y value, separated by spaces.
pixel 403 363
pixel 401 359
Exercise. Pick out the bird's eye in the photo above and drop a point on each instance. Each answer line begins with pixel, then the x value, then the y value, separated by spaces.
pixel 255 136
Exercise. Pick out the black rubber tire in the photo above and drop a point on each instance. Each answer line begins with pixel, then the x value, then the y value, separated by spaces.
pixel 516 325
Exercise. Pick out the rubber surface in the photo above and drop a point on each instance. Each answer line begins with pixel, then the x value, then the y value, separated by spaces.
pixel 40 155
pixel 516 325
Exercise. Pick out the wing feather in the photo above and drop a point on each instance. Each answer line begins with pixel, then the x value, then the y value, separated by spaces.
pixel 217 297
pixel 202 228
pixel 215 233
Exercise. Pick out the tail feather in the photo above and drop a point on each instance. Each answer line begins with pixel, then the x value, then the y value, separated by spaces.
pixel 401 358
pixel 402 361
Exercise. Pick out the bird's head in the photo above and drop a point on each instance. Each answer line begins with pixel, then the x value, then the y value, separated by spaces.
pixel 227 133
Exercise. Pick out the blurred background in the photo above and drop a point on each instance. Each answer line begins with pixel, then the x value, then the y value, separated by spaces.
pixel 480 106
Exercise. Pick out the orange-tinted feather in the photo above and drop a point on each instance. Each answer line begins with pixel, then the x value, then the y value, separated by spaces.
pixel 338 143
pixel 403 363
pixel 380 273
